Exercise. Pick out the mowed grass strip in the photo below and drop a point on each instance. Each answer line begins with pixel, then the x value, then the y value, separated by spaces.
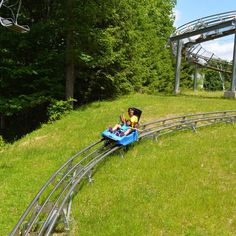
pixel 175 186
pixel 184 184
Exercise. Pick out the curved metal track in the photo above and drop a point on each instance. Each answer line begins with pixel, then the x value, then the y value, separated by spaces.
pixel 198 55
pixel 201 27
pixel 201 30
pixel 52 204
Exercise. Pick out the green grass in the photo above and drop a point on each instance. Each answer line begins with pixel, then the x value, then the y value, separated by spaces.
pixel 184 184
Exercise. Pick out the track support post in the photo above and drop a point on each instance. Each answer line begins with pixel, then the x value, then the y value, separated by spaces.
pixel 178 66
pixel 232 93
pixel 233 84
pixel 195 78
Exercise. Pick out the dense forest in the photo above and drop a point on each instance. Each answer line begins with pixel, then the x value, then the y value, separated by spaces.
pixel 86 50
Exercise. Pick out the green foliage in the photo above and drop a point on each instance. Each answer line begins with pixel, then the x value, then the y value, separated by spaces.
pixel 59 108
pixel 10 106
pixel 217 80
pixel 212 81
pixel 128 53
pixel 187 73
pixel 119 48
pixel 29 63
pixel 2 143
pixel 107 48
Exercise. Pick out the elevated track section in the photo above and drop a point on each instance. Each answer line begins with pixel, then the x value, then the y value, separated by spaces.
pixel 206 28
pixel 200 56
pixel 52 204
pixel 188 38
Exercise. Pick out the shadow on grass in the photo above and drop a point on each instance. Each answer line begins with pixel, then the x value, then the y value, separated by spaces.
pixel 204 95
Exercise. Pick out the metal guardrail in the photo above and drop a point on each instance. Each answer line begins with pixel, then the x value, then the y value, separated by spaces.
pixel 44 207
pixel 192 34
pixel 53 202
pixel 190 121
pixel 205 21
pixel 198 55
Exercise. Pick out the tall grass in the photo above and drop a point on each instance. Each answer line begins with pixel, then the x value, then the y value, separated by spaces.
pixel 184 184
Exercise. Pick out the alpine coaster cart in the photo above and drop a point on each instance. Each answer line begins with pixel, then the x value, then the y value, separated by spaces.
pixel 7 6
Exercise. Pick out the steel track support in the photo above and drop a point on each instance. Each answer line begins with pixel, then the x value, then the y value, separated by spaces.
pixel 194 128
pixel 122 151
pixel 222 80
pixel 66 213
pixel 234 66
pixel 156 136
pixel 232 93
pixel 195 78
pixel 89 175
pixel 178 66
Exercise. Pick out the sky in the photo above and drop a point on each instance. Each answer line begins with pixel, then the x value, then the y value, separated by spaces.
pixel 189 10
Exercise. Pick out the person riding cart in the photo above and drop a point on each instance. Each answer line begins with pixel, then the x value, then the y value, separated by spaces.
pixel 126 132
pixel 127 125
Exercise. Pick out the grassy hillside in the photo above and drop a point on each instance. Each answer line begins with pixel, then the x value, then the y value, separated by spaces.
pixel 184 184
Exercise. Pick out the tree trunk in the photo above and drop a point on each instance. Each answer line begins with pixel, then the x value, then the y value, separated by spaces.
pixel 70 50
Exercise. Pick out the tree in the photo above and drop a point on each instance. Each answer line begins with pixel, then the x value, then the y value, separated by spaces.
pixel 87 49
pixel 70 49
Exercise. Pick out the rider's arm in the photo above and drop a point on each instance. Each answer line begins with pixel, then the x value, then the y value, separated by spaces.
pixel 122 118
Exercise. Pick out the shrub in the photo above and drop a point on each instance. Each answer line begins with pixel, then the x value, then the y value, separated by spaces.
pixel 59 108
pixel 2 142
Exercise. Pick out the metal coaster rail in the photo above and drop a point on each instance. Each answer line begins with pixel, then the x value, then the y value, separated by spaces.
pixel 41 204
pixel 190 36
pixel 205 22
pixel 53 202
pixel 191 121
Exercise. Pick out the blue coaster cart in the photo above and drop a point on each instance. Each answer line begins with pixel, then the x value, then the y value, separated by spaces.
pixel 125 140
